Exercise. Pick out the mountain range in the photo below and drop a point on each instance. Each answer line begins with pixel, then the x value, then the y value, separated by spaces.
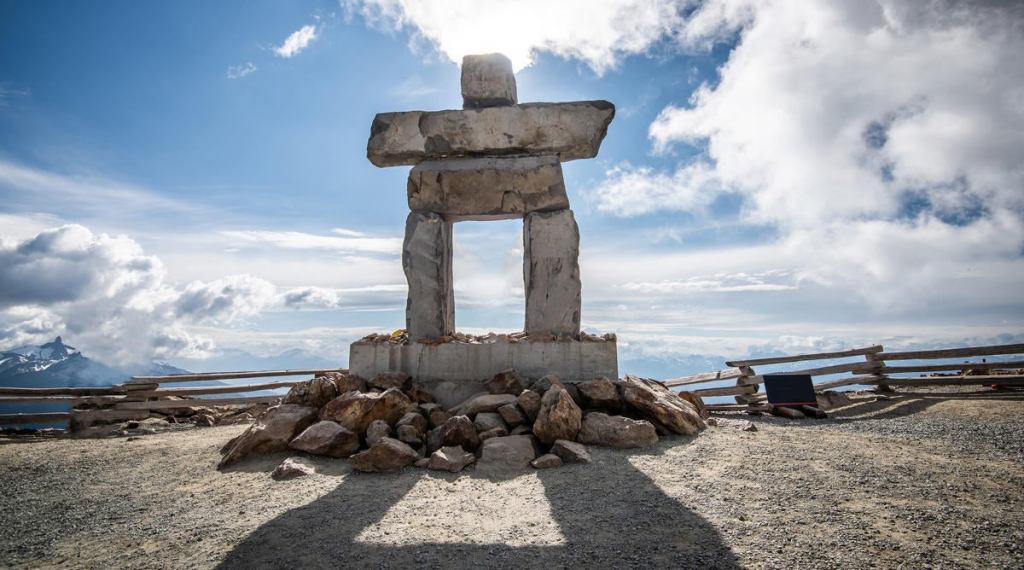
pixel 57 364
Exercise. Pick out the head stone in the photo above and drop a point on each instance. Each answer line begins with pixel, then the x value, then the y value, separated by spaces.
pixel 487 81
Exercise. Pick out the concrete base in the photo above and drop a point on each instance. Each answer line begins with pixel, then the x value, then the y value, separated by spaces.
pixel 454 370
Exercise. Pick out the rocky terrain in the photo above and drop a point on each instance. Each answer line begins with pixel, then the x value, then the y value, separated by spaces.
pixel 919 480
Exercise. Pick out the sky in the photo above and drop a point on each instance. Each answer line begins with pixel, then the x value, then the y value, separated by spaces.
pixel 186 181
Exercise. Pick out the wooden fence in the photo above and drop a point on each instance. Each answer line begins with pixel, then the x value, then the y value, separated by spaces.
pixel 139 396
pixel 874 370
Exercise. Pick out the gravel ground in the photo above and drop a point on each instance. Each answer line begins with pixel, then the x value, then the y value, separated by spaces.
pixel 918 481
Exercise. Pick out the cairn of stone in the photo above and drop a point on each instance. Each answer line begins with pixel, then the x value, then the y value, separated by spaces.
pixel 495 159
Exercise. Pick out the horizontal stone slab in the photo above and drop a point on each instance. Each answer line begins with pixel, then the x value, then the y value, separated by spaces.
pixel 569 130
pixel 453 371
pixel 488 188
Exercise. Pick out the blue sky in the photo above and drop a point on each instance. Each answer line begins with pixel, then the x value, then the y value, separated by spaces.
pixel 183 180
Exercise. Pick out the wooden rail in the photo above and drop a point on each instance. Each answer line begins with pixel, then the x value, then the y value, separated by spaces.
pixel 873 370
pixel 143 394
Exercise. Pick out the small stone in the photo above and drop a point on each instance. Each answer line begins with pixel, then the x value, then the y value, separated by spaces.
pixel 205 420
pixel 512 415
pixel 391 379
pixel 529 403
pixel 488 420
pixel 413 419
pixel 493 432
pixel 422 462
pixel 544 383
pixel 506 382
pixel 346 382
pixel 376 431
pixel 438 417
pixel 616 431
pixel 326 438
pixel 502 455
pixel 749 426
pixel 409 434
pixel 483 403
pixel 385 456
pixel 290 468
pixel 547 461
pixel 460 431
pixel 521 430
pixel 314 393
pixel 559 417
pixel 420 394
pixel 599 394
pixel 451 458
pixel 571 452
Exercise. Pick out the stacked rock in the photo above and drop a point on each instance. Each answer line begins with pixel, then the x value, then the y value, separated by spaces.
pixel 494 159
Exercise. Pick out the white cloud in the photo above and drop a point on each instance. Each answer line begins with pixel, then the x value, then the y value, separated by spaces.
pixel 345 241
pixel 296 41
pixel 598 32
pixel 41 190
pixel 240 71
pixel 632 191
pixel 719 283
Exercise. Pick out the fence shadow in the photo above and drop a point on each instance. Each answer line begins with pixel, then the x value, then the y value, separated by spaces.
pixel 610 514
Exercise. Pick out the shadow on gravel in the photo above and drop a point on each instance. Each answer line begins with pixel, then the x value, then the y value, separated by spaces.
pixel 610 513
pixel 909 403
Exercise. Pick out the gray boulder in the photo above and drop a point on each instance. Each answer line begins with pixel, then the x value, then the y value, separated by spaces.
pixel 450 458
pixel 616 431
pixel 271 432
pixel 504 455
pixel 326 438
pixel 386 456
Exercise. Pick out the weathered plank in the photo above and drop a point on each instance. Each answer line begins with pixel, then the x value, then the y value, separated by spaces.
pixel 704 377
pixel 1008 365
pixel 213 390
pixel 229 375
pixel 810 356
pixel 849 381
pixel 59 399
pixel 954 352
pixel 1007 379
pixel 196 403
pixel 726 391
pixel 39 418
pixel 61 391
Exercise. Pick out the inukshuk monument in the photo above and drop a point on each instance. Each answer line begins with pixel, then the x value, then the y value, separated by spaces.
pixel 495 159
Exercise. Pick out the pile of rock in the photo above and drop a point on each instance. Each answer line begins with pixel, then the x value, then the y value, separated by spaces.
pixel 391 422
pixel 401 337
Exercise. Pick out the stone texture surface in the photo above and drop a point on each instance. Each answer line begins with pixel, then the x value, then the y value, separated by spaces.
pixel 326 438
pixel 414 419
pixel 559 416
pixel 662 407
pixel 571 452
pixel 570 130
pixel 346 382
pixel 483 403
pixel 488 420
pixel 547 461
pixel 355 411
pixel 551 273
pixel 512 415
pixel 487 81
pixel 409 434
pixel 529 402
pixel 385 456
pixel 599 394
pixel 506 382
pixel 376 431
pixel 506 455
pixel 271 432
pixel 493 432
pixel 616 431
pixel 314 393
pixel 390 379
pixel 448 369
pixel 487 188
pixel 427 261
pixel 459 430
pixel 290 468
pixel 451 458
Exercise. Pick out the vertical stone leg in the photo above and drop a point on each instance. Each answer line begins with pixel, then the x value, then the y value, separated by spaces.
pixel 551 272
pixel 427 261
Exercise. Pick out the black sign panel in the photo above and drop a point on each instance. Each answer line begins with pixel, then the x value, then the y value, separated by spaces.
pixel 790 390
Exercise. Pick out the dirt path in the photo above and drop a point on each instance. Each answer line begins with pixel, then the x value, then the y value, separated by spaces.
pixel 916 481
